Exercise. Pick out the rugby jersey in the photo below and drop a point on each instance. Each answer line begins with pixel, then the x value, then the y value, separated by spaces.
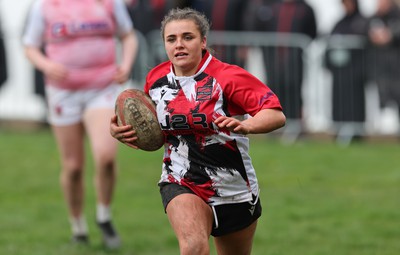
pixel 214 163
pixel 79 34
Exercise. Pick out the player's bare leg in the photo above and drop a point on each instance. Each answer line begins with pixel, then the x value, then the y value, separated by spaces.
pixel 191 219
pixel 238 243
pixel 104 150
pixel 70 145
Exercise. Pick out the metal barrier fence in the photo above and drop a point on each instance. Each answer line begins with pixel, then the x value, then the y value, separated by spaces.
pixel 311 75
pixel 307 66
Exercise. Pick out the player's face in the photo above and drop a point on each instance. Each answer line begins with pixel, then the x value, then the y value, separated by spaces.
pixel 184 45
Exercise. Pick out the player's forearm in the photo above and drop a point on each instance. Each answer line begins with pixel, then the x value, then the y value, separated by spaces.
pixel 130 45
pixel 36 57
pixel 265 121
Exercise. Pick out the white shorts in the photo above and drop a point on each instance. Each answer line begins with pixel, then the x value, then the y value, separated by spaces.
pixel 66 107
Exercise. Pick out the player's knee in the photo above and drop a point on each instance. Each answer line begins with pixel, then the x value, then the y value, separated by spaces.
pixel 194 246
pixel 73 172
pixel 105 159
pixel 106 165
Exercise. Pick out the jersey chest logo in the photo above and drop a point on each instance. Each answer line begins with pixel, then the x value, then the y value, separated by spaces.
pixel 204 93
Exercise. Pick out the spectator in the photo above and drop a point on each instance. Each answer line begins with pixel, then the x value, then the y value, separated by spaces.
pixel 148 14
pixel 346 59
pixel 384 38
pixel 39 83
pixel 3 59
pixel 225 15
pixel 284 61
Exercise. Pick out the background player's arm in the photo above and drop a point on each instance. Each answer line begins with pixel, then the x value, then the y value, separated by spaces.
pixel 130 46
pixel 51 70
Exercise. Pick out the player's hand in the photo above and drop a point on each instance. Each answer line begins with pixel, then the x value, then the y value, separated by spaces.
pixel 121 75
pixel 380 36
pixel 124 134
pixel 55 71
pixel 232 125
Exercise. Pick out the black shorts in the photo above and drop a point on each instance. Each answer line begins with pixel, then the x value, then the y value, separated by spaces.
pixel 228 218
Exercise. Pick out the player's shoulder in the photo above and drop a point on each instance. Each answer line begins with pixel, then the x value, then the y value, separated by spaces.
pixel 158 72
pixel 225 71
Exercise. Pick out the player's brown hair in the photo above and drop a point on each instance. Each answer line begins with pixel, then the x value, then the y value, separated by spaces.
pixel 187 13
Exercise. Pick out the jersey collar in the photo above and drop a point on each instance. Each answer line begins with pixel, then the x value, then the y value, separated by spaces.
pixel 202 66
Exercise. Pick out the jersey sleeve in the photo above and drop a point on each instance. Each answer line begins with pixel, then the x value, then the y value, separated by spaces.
pixel 34 26
pixel 122 18
pixel 246 94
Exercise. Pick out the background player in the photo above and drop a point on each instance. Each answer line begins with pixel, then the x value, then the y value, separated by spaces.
pixel 82 82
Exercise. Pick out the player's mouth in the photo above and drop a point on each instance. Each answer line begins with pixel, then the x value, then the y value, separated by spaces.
pixel 181 54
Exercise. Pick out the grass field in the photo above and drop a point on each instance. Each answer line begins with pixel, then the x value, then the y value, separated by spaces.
pixel 318 199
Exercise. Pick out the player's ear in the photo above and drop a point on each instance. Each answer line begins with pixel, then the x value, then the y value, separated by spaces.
pixel 204 43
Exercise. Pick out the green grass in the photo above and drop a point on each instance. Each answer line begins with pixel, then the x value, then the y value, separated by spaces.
pixel 318 199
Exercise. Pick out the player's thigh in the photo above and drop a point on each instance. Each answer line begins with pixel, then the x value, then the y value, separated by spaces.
pixel 103 145
pixel 99 110
pixel 238 243
pixel 97 125
pixel 190 217
pixel 69 140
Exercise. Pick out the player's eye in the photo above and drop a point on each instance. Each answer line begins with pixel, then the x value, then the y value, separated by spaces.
pixel 170 39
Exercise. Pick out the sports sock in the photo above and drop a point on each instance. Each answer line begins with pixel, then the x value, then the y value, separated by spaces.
pixel 103 213
pixel 79 225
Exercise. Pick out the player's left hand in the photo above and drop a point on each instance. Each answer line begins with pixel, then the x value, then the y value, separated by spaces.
pixel 232 125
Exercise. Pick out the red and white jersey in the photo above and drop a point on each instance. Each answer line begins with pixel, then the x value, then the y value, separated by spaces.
pixel 79 34
pixel 212 162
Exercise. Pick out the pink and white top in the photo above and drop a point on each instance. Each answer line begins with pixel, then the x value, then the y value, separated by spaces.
pixel 80 35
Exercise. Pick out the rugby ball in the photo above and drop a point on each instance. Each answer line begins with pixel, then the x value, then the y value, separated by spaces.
pixel 134 107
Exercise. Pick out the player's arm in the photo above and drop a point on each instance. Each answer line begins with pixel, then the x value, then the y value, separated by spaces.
pixel 264 121
pixel 130 46
pixel 51 70
pixel 32 40
pixel 129 41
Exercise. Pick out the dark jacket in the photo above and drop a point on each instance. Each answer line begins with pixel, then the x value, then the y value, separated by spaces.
pixel 346 58
pixel 294 16
pixel 384 60
pixel 223 14
pixel 284 59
